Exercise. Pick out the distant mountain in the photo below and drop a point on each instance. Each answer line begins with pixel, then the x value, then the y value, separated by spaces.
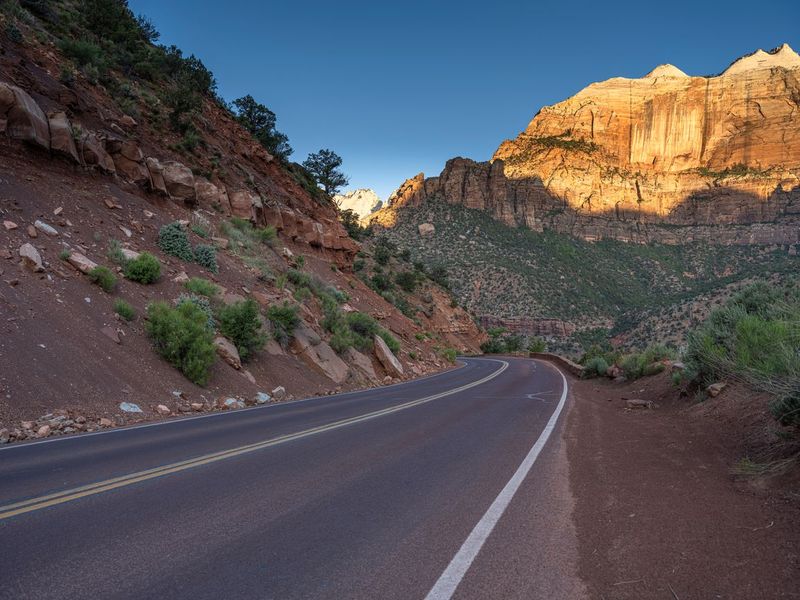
pixel 363 201
pixel 631 159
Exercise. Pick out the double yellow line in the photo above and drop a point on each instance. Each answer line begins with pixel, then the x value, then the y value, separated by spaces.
pixel 40 502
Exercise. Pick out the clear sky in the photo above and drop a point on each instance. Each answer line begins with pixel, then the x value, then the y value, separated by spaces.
pixel 399 87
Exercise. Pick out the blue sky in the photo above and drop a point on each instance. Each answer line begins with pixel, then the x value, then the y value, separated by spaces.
pixel 399 87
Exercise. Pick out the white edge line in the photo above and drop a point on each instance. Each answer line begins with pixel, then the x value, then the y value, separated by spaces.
pixel 446 585
pixel 173 421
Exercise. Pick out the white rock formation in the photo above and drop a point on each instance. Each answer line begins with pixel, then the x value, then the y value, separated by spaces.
pixel 363 202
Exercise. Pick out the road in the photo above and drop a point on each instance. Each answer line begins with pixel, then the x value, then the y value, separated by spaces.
pixel 447 486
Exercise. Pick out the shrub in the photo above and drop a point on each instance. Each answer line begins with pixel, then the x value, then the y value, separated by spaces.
pixel 380 282
pixel 145 268
pixel 64 254
pixel 239 323
pixel 124 310
pixel 206 256
pixel 115 252
pixel 201 303
pixel 181 336
pixel 298 278
pixel 440 276
pixel 595 367
pixel 407 280
pixel 103 277
pixel 202 287
pixel 358 265
pixel 342 339
pixel 382 254
pixel 267 235
pixel 174 240
pixel 537 344
pixel 284 321
pixel 449 354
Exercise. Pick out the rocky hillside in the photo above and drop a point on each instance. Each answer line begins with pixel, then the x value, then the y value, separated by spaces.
pixel 363 202
pixel 667 157
pixel 123 183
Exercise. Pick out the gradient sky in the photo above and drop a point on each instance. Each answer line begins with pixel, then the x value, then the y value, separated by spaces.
pixel 400 87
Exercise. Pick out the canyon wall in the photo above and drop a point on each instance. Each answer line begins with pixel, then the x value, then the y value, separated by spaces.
pixel 665 158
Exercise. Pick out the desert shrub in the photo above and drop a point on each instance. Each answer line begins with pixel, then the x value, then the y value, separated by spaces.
pixel 104 277
pixel 206 256
pixel 203 304
pixel 358 265
pixel 407 280
pixel 115 252
pixel 380 282
pixel 595 367
pixel 239 323
pixel 202 287
pixel 284 319
pixel 145 268
pixel 537 344
pixel 174 240
pixel 267 235
pixel 298 278
pixel 439 274
pixel 382 254
pixel 449 354
pixel 786 408
pixel 181 336
pixel 124 310
pixel 64 254
pixel 646 363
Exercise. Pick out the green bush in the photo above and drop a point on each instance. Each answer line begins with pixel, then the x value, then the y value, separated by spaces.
pixel 595 367
pixel 104 277
pixel 407 280
pixel 299 278
pixel 342 339
pixel 181 336
pixel 382 254
pixel 284 321
pixel 174 240
pixel 145 268
pixel 267 235
pixel 202 287
pixel 239 323
pixel 537 344
pixel 206 256
pixel 124 310
pixel 646 363
pixel 449 354
pixel 203 304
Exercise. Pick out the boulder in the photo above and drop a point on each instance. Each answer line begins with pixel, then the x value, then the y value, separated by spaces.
pixel 242 203
pixel 43 431
pixel 636 403
pixel 129 254
pixel 129 162
pixel 263 398
pixel 104 422
pixel 232 403
pixel 228 352
pixel 24 119
pixel 163 410
pixel 31 257
pixel 389 361
pixel 318 354
pixel 45 228
pixel 197 406
pixel 129 407
pixel 179 181
pixel 361 364
pixel 715 389
pixel 156 173
pixel 426 229
pixel 61 138
pixel 209 194
pixel 10 225
pixel 93 152
pixel 279 393
pixel 111 334
pixel 81 262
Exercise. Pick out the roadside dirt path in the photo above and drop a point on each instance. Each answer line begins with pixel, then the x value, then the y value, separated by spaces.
pixel 658 513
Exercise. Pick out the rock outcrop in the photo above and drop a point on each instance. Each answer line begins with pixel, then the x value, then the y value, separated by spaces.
pixel 632 158
pixel 363 202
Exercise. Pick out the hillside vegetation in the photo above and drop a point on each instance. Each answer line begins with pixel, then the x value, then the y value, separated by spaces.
pixel 605 288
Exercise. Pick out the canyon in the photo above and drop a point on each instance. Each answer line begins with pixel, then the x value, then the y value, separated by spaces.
pixel 665 158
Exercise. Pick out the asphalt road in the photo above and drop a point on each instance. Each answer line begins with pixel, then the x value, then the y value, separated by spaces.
pixel 430 488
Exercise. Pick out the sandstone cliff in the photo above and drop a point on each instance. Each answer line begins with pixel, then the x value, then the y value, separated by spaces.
pixel 363 202
pixel 631 159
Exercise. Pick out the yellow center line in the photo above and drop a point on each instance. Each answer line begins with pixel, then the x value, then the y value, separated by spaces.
pixel 32 504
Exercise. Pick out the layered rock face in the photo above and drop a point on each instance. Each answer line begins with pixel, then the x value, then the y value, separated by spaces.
pixel 363 202
pixel 632 158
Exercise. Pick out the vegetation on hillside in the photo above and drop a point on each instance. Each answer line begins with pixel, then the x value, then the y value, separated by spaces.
pixel 605 288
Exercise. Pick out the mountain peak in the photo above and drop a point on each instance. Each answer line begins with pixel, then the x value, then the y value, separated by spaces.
pixel 666 70
pixel 782 56
pixel 363 201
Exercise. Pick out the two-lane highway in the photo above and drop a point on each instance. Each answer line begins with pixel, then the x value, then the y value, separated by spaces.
pixel 413 490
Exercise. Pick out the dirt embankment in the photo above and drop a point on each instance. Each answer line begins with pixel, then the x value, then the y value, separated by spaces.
pixel 665 506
